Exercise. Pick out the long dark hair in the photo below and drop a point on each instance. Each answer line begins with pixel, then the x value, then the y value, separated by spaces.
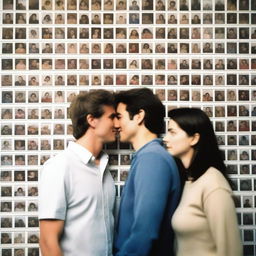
pixel 207 152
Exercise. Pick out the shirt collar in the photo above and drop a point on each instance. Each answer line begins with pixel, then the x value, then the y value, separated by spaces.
pixel 84 155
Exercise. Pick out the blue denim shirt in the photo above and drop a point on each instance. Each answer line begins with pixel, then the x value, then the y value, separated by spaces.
pixel 149 198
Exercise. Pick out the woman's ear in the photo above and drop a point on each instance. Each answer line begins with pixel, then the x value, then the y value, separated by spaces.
pixel 195 139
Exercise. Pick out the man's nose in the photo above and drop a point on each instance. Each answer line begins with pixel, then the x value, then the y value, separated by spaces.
pixel 116 123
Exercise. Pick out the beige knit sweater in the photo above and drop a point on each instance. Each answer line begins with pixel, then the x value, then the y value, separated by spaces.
pixel 205 222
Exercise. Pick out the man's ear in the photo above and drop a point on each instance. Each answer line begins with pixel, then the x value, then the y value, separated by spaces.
pixel 91 120
pixel 195 139
pixel 140 116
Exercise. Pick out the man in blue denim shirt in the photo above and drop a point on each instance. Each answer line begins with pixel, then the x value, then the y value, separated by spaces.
pixel 152 190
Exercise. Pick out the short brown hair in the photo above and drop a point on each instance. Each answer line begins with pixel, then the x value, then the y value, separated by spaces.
pixel 86 103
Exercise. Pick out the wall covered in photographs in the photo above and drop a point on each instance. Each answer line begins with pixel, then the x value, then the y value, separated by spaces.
pixel 190 52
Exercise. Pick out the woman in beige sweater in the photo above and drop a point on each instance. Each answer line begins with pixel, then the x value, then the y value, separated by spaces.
pixel 205 221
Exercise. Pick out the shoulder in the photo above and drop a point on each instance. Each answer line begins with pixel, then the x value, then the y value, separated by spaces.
pixel 58 164
pixel 213 180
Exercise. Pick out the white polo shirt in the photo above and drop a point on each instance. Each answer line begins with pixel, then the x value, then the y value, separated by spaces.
pixel 74 189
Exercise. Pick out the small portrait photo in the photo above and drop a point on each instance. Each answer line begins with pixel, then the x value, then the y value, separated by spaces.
pixel 160 19
pixel 19 238
pixel 47 33
pixel 219 33
pixel 47 80
pixel 147 18
pixel 58 129
pixel 6 238
pixel 20 18
pixel 121 18
pixel 147 80
pixel 33 19
pixel 184 95
pixel 32 206
pixel 33 97
pixel 207 5
pixel 196 95
pixel 34 48
pixel 19 129
pixel 46 97
pixel 7 18
pixel 33 222
pixel 6 191
pixel 243 95
pixel 108 5
pixel 33 33
pixel 6 222
pixel 184 48
pixel 172 79
pixel 58 144
pixel 20 221
pixel 45 128
pixel 96 5
pixel 207 48
pixel 59 113
pixel 6 176
pixel 114 174
pixel 172 64
pixel 160 94
pixel 108 18
pixel 19 160
pixel 7 48
pixel 172 18
pixel 172 95
pixel 243 110
pixel 184 18
pixel 47 5
pixel 219 126
pixel 243 18
pixel 96 48
pixel 134 64
pixel 20 97
pixel 208 111
pixel 244 125
pixel 184 79
pixel 71 18
pixel 7 96
pixel 72 33
pixel 20 64
pixel 219 95
pixel 6 80
pixel 19 206
pixel 7 33
pixel 46 63
pixel 33 114
pixel 121 33
pixel 59 18
pixel 121 64
pixel 159 79
pixel 47 48
pixel 219 111
pixel 160 64
pixel 72 63
pixel 60 64
pixel 33 80
pixel 33 64
pixel 6 206
pixel 6 114
pixel 20 113
pixel 231 125
pixel 108 33
pixel 146 64
pixel 123 175
pixel 59 5
pixel 184 64
pixel 146 48
pixel 221 140
pixel 160 48
pixel 245 184
pixel 33 129
pixel 33 237
pixel 71 4
pixel 219 80
pixel 134 33
pixel 207 95
pixel 133 48
pixel 7 4
pixel 19 191
pixel 59 33
pixel 84 80
pixel 207 18
pixel 196 48
pixel 113 159
pixel 232 154
pixel 184 5
pixel 45 144
pixel 32 144
pixel 19 144
pixel 220 18
pixel 146 33
pixel 121 79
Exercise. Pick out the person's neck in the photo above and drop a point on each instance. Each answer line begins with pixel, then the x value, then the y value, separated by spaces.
pixel 187 158
pixel 142 137
pixel 91 143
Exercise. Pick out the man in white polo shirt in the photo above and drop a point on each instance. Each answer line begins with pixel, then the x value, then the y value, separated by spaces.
pixel 77 193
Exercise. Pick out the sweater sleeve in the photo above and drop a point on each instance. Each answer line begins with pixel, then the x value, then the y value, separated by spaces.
pixel 222 219
pixel 152 184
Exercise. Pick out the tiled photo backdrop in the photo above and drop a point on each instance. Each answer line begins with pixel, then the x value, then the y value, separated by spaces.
pixel 190 52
